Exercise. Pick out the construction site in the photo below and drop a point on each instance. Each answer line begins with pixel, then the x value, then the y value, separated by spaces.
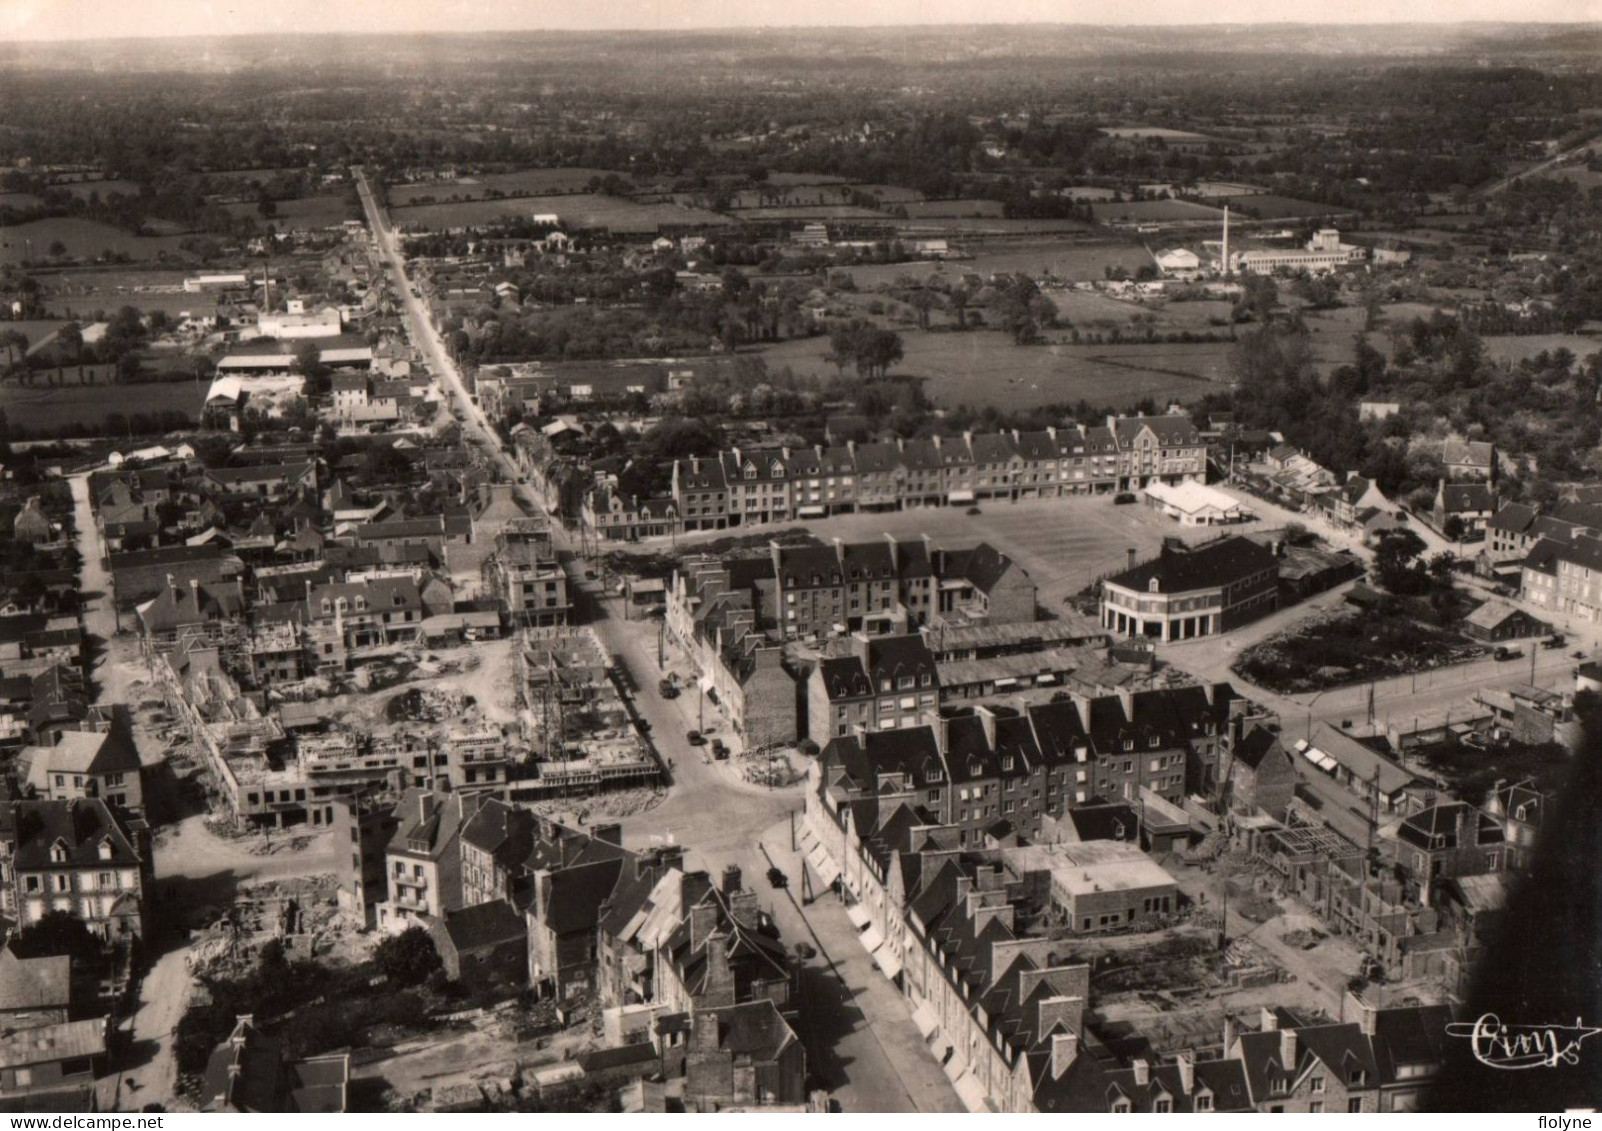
pixel 539 717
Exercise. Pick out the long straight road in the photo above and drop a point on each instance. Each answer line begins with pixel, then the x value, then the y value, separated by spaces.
pixel 873 1059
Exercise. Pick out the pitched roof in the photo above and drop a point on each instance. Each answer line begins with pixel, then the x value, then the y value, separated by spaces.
pixel 89 752
pixel 484 924
pixel 1180 568
pixel 576 896
pixel 1436 828
pixel 80 826
pixel 1457 498
pixel 34 983
pixel 1251 750
pixel 67 1040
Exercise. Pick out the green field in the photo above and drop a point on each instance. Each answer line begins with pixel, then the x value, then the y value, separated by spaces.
pixel 83 190
pixel 35 330
pixel 1514 348
pixel 325 210
pixel 527 182
pixel 580 210
pixel 1153 211
pixel 1267 206
pixel 21 201
pixel 1071 261
pixel 943 209
pixel 809 212
pixel 985 368
pixel 84 239
pixel 45 408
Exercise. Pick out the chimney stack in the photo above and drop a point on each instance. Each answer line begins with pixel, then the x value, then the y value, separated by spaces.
pixel 1064 1051
pixel 731 880
pixel 1142 1069
pixel 1131 554
pixel 1270 1020
pixel 1231 1032
pixel 1287 1049
pixel 1187 1073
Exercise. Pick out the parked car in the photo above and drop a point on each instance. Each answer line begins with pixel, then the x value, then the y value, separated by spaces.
pixel 973 510
pixel 695 738
pixel 1503 652
pixel 719 750
pixel 668 689
pixel 1556 640
pixel 1124 498
pixel 805 951
pixel 777 878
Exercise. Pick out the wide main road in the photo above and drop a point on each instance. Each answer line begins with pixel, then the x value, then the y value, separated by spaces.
pixel 860 1039
pixel 475 425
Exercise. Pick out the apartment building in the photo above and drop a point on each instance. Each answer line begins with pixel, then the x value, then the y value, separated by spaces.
pixel 753 486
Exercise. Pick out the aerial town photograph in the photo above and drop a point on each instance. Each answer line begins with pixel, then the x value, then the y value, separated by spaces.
pixel 895 557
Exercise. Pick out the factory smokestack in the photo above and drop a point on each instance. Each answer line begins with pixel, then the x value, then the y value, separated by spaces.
pixel 1226 241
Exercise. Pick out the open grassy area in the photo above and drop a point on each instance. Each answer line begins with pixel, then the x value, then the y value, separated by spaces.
pixel 325 210
pixel 943 209
pixel 1073 261
pixel 588 210
pixel 43 408
pixel 83 239
pixel 1154 211
pixel 985 368
pixel 36 330
pixel 83 190
pixel 1268 206
pixel 1508 347
pixel 1349 646
pixel 809 212
pixel 524 181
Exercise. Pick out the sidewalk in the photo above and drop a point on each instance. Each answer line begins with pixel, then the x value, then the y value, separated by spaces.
pixel 884 1059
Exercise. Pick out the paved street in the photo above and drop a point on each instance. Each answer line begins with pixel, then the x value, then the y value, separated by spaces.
pixel 868 1049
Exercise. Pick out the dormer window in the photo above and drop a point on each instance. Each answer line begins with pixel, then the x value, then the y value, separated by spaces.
pixel 58 853
pixel 1151 586
pixel 933 775
pixel 361 603
pixel 1155 741
pixel 328 606
pixel 1120 1107
pixel 106 851
pixel 1006 763
pixel 1129 744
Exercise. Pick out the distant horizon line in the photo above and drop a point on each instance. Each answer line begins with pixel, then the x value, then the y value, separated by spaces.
pixel 760 29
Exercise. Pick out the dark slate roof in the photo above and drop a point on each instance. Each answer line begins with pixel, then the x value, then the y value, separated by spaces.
pixel 1457 498
pixel 484 924
pixel 1180 569
pixel 80 826
pixel 892 657
pixel 1514 518
pixel 844 678
pixel 756 1029
pixel 1257 745
pixel 1410 1036
pixel 1112 821
pixel 986 566
pixel 911 751
pixel 1435 829
pixel 577 894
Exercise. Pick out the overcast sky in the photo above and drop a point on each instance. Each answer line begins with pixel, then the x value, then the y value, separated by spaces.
pixel 85 19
